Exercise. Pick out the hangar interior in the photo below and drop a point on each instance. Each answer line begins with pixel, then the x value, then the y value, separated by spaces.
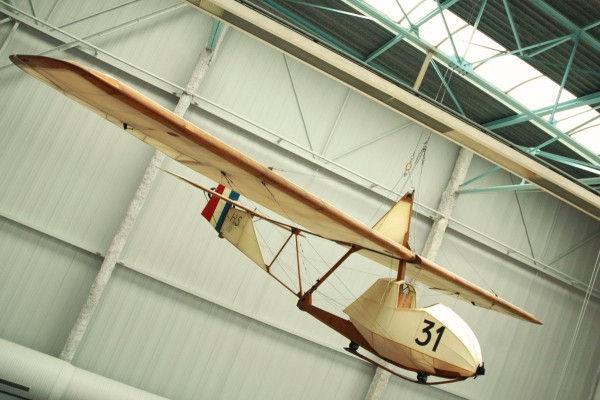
pixel 185 316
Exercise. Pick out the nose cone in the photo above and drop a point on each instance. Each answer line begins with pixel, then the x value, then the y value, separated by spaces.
pixel 460 346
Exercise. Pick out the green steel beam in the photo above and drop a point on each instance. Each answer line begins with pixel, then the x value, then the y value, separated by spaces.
pixel 557 42
pixel 441 7
pixel 313 29
pixel 386 72
pixel 565 77
pixel 587 100
pixel 475 26
pixel 413 28
pixel 480 176
pixel 569 161
pixel 548 43
pixel 513 27
pixel 500 188
pixel 536 151
pixel 454 99
pixel 564 21
pixel 393 27
pixel 335 10
pixel 404 13
pixel 448 31
pixel 384 48
pixel 520 187
pixel 215 33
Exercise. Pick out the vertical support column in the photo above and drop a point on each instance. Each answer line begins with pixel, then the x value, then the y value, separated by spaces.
pixel 447 202
pixel 118 242
pixel 423 71
pixel 432 245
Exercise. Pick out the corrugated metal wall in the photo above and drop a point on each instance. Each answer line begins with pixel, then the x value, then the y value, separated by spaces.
pixel 186 317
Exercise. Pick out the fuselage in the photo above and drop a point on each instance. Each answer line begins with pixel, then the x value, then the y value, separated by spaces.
pixel 384 320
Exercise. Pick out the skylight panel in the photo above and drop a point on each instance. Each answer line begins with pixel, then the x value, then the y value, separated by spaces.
pixel 539 93
pixel 565 116
pixel 481 48
pixel 388 7
pixel 590 137
pixel 506 72
pixel 433 31
pixel 421 11
pixel 574 122
pixel 454 47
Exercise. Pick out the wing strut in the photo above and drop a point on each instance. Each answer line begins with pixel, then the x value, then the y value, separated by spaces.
pixel 327 274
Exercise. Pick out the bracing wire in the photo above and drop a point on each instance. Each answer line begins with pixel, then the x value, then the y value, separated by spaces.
pixel 588 293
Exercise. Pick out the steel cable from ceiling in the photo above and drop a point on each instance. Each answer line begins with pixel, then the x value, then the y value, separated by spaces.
pixel 584 306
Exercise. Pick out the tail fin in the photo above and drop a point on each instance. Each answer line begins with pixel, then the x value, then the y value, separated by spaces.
pixel 395 224
pixel 234 224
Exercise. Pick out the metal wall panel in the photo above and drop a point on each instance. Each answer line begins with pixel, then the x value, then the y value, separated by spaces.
pixel 399 389
pixel 43 283
pixel 254 81
pixel 155 45
pixel 167 342
pixel 76 175
pixel 531 357
pixel 533 222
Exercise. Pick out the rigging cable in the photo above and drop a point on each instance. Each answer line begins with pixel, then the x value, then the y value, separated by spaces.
pixel 586 300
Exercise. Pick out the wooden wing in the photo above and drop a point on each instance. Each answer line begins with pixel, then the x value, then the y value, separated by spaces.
pixel 204 153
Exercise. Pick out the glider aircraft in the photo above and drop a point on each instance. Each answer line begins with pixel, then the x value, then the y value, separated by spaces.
pixel 384 320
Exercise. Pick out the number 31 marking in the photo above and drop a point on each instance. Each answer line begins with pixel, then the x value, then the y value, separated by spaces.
pixel 427 331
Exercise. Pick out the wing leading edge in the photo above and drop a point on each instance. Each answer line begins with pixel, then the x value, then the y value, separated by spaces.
pixel 207 155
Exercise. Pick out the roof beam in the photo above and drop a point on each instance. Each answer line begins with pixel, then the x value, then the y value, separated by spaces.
pixel 312 28
pixel 448 31
pixel 439 9
pixel 475 27
pixel 518 187
pixel 385 47
pixel 335 10
pixel 447 87
pixel 548 44
pixel 567 23
pixel 565 77
pixel 513 27
pixel 586 100
pixel 422 71
pixel 393 27
pixel 569 161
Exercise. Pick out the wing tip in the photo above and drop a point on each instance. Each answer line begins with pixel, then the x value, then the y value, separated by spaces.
pixel 530 318
pixel 23 60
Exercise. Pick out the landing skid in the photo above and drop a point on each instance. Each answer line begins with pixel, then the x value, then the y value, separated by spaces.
pixel 422 378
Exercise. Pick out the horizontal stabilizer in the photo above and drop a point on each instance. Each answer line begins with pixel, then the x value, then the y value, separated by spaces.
pixel 238 229
pixel 234 224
